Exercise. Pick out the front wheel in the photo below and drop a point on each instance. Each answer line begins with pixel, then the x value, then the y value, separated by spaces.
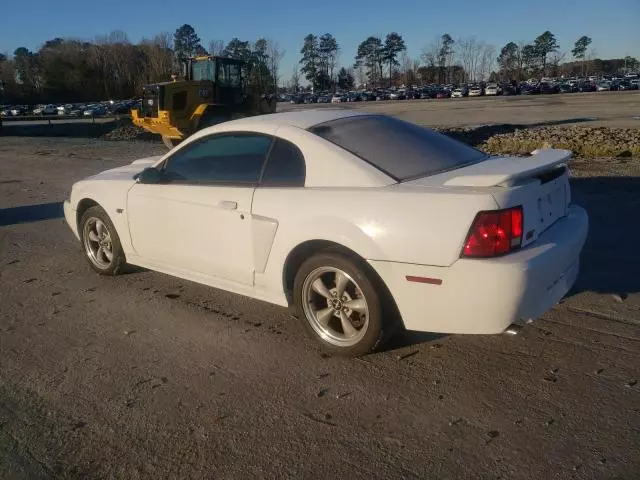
pixel 101 243
pixel 339 303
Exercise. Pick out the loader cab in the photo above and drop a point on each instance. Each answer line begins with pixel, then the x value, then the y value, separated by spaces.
pixel 226 74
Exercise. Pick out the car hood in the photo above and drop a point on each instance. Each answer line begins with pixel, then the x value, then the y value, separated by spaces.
pixel 127 171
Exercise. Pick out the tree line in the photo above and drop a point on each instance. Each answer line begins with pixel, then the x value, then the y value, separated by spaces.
pixel 382 62
pixel 110 66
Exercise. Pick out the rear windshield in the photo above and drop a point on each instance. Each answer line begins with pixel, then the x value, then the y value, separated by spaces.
pixel 401 149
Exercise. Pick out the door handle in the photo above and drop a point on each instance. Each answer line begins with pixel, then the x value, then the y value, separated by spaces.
pixel 228 205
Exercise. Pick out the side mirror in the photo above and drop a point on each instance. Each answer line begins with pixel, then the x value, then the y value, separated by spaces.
pixel 150 175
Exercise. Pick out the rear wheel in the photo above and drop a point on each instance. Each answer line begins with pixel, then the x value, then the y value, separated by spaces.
pixel 339 303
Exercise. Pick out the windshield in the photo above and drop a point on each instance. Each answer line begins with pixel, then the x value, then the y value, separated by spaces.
pixel 203 70
pixel 400 149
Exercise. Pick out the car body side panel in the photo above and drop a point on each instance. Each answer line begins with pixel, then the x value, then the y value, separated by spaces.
pixel 263 231
pixel 413 225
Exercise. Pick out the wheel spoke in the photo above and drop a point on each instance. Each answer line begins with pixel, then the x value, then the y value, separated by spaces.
pixel 341 283
pixel 93 236
pixel 357 305
pixel 107 253
pixel 324 316
pixel 319 287
pixel 100 254
pixel 99 227
pixel 347 328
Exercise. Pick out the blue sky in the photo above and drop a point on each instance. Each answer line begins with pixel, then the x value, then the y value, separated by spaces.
pixel 613 26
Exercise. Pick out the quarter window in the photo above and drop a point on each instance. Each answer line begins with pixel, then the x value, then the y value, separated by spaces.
pixel 285 166
pixel 398 148
pixel 226 158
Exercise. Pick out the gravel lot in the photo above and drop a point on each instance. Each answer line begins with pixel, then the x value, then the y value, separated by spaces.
pixel 148 376
pixel 611 109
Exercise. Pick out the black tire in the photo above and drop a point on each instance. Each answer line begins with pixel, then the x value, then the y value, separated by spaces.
pixel 111 266
pixel 382 320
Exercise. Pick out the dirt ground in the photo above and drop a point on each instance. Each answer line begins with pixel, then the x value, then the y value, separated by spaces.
pixel 149 376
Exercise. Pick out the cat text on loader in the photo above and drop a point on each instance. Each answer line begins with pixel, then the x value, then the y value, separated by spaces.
pixel 214 91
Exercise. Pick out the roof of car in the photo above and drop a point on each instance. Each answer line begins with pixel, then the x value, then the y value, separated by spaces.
pixel 301 118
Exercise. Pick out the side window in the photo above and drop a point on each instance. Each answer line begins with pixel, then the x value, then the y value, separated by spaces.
pixel 229 75
pixel 223 158
pixel 234 75
pixel 223 74
pixel 285 166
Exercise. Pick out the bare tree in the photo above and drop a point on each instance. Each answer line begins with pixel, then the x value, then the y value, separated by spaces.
pixel 520 59
pixel 274 57
pixel 159 57
pixel 555 59
pixel 216 47
pixel 163 40
pixel 115 37
pixel 405 66
pixel 431 52
pixel 487 61
pixel 294 83
pixel 470 52
pixel 415 64
pixel 590 55
pixel 430 57
pixel 360 74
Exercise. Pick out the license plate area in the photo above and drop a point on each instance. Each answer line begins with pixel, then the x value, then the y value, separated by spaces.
pixel 552 204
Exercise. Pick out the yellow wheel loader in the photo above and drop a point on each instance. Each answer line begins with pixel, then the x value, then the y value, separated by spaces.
pixel 213 91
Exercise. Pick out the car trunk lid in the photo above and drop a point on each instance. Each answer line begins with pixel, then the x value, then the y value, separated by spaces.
pixel 507 171
pixel 539 183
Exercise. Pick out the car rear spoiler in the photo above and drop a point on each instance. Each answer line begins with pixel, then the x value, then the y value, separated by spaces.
pixel 507 171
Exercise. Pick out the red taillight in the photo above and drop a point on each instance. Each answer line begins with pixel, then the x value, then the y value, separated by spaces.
pixel 494 233
pixel 516 223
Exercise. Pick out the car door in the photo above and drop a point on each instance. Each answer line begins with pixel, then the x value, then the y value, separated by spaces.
pixel 198 217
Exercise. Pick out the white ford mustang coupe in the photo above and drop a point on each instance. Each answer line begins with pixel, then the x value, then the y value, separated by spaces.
pixel 362 221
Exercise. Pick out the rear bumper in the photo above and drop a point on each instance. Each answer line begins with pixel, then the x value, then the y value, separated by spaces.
pixel 485 296
pixel 70 217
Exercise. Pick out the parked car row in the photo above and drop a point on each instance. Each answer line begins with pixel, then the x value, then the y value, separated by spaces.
pixel 95 109
pixel 531 87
